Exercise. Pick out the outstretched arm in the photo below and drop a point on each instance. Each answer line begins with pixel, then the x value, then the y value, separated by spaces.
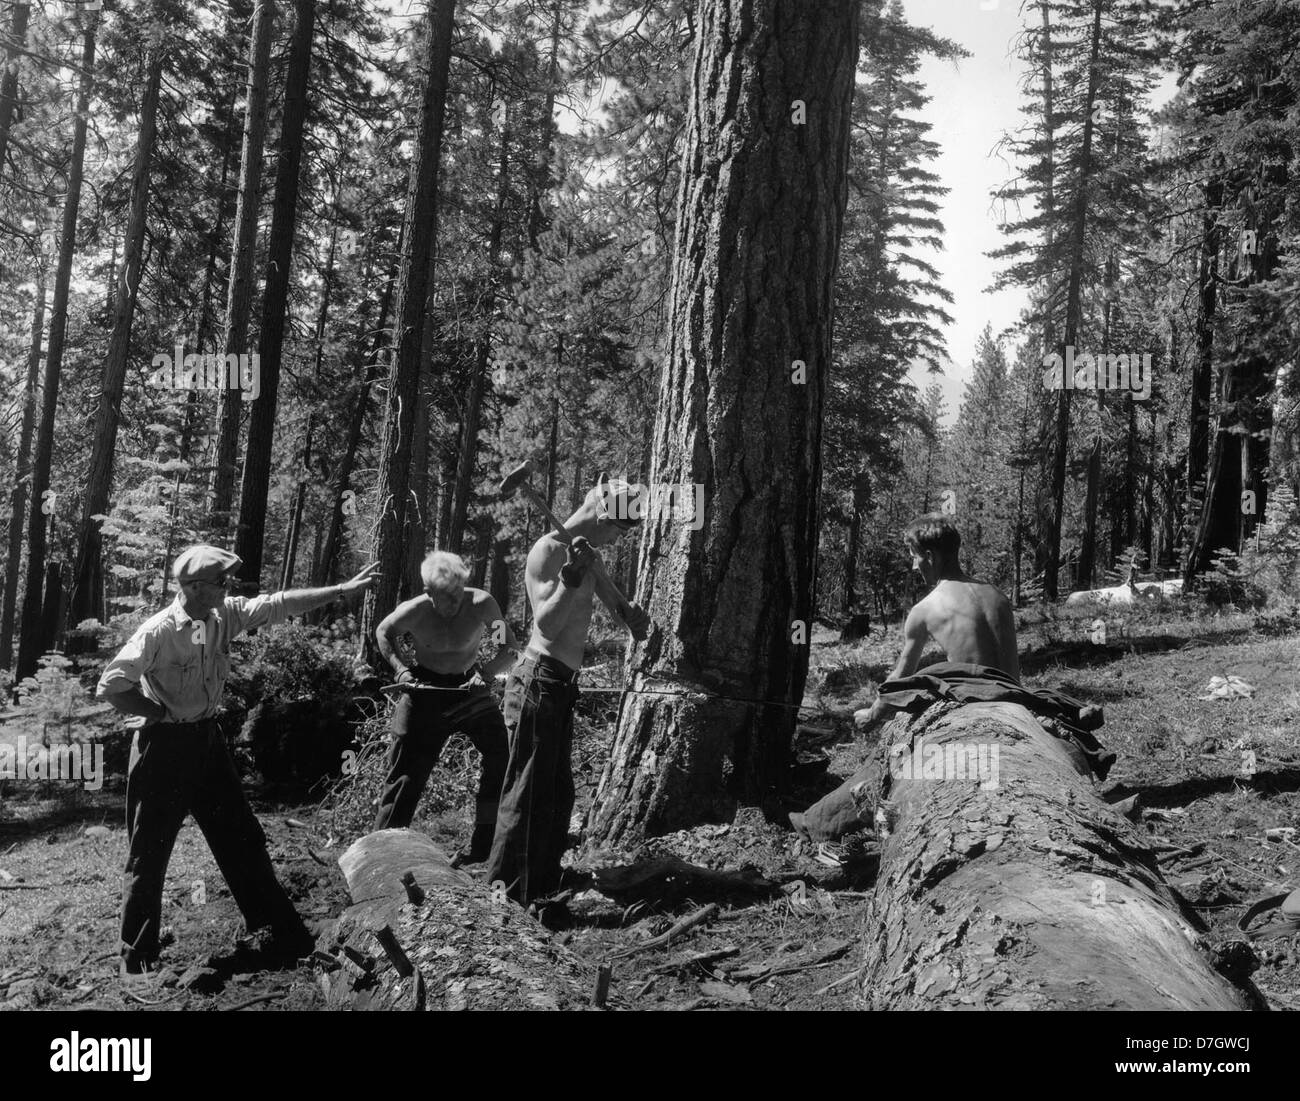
pixel 304 600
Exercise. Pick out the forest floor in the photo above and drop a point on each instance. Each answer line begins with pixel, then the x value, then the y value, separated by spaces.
pixel 61 858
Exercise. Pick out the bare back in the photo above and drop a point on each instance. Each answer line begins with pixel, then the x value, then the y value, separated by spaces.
pixel 970 619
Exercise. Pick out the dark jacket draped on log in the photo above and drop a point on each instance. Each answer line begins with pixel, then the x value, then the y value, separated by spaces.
pixel 957 682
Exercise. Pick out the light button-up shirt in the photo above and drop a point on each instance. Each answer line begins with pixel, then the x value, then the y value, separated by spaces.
pixel 182 663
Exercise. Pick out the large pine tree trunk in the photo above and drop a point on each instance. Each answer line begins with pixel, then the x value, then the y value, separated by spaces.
pixel 861 488
pixel 370 358
pixel 420 526
pixel 86 601
pixel 392 529
pixel 1073 308
pixel 1032 894
pixel 758 228
pixel 239 292
pixel 1239 456
pixel 251 533
pixel 540 177
pixel 22 474
pixel 1089 547
pixel 465 466
pixel 9 80
pixel 32 641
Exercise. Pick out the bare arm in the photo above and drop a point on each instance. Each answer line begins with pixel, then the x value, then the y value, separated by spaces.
pixel 552 600
pixel 495 623
pixel 915 634
pixel 400 620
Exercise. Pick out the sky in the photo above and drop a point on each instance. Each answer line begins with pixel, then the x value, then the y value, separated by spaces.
pixel 975 101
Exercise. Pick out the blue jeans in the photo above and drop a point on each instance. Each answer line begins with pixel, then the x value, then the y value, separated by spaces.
pixel 537 800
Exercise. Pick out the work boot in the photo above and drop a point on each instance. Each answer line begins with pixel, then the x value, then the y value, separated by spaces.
pixel 552 911
pixel 263 950
pixel 137 974
pixel 480 846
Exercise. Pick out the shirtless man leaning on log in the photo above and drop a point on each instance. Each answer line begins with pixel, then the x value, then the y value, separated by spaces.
pixel 970 619
pixel 538 797
pixel 448 692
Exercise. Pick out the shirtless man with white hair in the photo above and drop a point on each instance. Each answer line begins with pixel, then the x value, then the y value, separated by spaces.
pixel 448 692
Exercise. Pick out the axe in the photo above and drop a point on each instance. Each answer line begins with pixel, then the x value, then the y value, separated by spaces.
pixel 609 593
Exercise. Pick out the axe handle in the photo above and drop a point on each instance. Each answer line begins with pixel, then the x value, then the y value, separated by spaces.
pixel 610 594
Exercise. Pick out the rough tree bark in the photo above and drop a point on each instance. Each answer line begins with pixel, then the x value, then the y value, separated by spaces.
pixel 9 81
pixel 86 601
pixel 32 641
pixel 1033 894
pixel 1073 309
pixel 251 533
pixel 455 537
pixel 404 373
pixel 239 292
pixel 861 498
pixel 22 473
pixel 758 227
pixel 1238 461
pixel 371 358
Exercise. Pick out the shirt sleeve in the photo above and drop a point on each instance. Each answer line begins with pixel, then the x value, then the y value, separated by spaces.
pixel 134 660
pixel 263 611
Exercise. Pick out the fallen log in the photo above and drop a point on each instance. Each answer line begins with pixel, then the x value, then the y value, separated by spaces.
pixel 460 946
pixel 1021 888
pixel 667 879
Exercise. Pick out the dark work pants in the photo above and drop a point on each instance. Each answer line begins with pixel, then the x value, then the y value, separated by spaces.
pixel 422 722
pixel 851 806
pixel 180 768
pixel 537 800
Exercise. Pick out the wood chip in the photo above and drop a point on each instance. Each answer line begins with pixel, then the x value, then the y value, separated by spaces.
pixel 725 992
pixel 685 925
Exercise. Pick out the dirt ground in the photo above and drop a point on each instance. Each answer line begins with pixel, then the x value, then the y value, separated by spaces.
pixel 1185 758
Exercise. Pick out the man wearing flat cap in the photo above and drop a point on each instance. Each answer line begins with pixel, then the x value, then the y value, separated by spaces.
pixel 169 677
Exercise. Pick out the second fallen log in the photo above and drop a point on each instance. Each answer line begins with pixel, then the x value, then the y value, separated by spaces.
pixel 1020 888
pixel 467 948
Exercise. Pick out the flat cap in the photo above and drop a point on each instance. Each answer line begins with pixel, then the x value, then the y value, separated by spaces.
pixel 204 563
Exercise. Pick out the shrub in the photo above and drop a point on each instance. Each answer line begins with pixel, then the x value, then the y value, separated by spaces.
pixel 298 690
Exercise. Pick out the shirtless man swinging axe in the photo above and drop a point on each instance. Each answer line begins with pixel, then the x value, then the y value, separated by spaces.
pixel 563 575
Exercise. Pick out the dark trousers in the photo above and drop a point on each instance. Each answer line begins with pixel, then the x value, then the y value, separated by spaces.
pixel 851 806
pixel 537 800
pixel 185 768
pixel 421 724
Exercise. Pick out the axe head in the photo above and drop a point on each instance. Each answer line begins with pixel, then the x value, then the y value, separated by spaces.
pixel 515 478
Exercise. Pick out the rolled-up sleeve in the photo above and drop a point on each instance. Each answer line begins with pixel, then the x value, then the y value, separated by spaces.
pixel 263 611
pixel 133 661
